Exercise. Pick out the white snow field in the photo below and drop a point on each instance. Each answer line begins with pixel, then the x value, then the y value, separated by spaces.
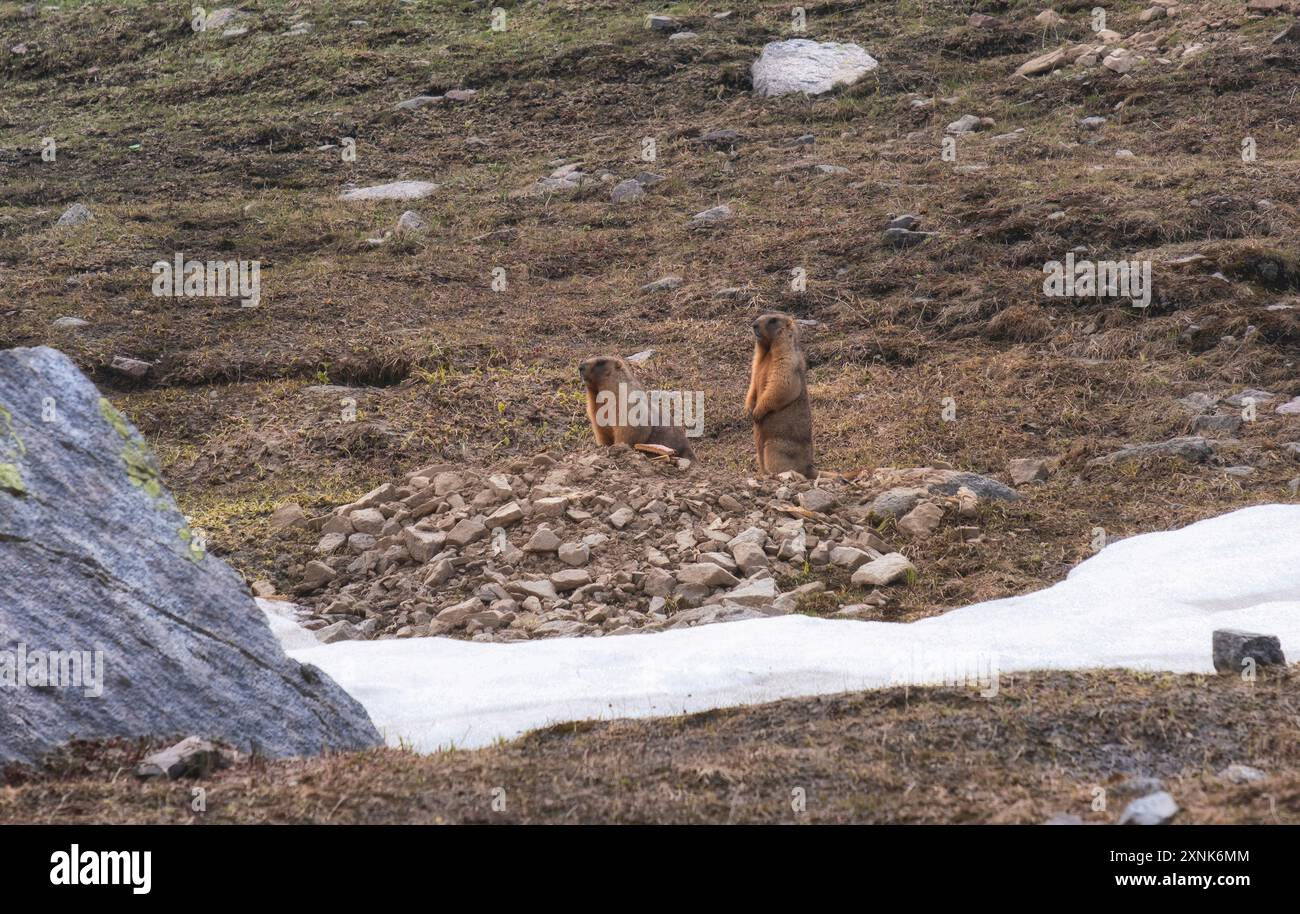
pixel 1146 603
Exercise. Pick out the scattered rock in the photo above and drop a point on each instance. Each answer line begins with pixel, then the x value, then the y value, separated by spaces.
pixel 1044 63
pixel 664 284
pixel 1289 408
pixel 902 238
pixel 1153 809
pixel 626 191
pixel 191 757
pixel 1120 61
pixel 76 214
pixel 1233 648
pixel 1216 426
pixel 810 67
pixel 397 190
pixel 289 515
pixel 1025 470
pixel 339 631
pixel 885 570
pixel 1064 818
pixel 419 101
pixel 922 520
pixel 967 123
pixel 409 223
pixel 1192 449
pixel 716 215
pixel 1241 774
pixel 132 368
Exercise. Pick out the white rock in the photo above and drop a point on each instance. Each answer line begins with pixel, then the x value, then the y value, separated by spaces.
pixel 1154 809
pixel 397 190
pixel 810 67
pixel 885 570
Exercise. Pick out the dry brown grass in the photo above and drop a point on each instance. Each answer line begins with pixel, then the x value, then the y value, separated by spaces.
pixel 1044 745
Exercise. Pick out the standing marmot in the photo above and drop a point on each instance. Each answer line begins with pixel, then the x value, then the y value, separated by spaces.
pixel 610 375
pixel 778 397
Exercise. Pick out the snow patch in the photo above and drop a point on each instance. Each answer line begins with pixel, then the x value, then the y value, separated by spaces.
pixel 1149 602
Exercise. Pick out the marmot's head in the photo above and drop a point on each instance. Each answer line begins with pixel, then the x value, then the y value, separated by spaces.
pixel 773 326
pixel 603 371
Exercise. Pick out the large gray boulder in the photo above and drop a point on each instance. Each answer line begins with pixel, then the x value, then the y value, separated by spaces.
pixel 155 636
pixel 810 67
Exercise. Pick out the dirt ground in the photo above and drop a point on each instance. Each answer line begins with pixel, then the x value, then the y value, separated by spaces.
pixel 1047 744
pixel 224 148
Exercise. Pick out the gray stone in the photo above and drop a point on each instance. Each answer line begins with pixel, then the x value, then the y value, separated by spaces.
pixel 810 67
pixel 982 486
pixel 818 500
pixel 191 757
pixel 967 123
pixel 903 238
pixel 895 502
pixel 1025 470
pixel 922 520
pixel 132 368
pixel 543 540
pixel 1153 809
pixel 753 593
pixel 664 284
pixel 1237 773
pixel 705 574
pixel 570 579
pixel 96 557
pixel 75 214
pixel 850 558
pixel 626 191
pixel 338 631
pixel 1232 647
pixel 575 554
pixel 419 101
pixel 885 570
pixel 750 557
pixel 410 223
pixel 465 532
pixel 713 216
pixel 1217 426
pixel 397 190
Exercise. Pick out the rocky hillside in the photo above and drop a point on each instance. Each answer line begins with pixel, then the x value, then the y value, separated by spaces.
pixel 378 349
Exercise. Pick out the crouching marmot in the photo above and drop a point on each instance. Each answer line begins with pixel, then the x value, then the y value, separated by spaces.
pixel 777 401
pixel 613 394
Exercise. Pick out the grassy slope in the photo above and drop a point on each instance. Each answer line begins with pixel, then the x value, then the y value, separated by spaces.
pixel 228 165
pixel 1046 744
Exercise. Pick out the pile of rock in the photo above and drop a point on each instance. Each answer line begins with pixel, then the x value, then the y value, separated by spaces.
pixel 616 542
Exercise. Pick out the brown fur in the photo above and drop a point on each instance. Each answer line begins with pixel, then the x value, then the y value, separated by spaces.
pixel 777 400
pixel 604 372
